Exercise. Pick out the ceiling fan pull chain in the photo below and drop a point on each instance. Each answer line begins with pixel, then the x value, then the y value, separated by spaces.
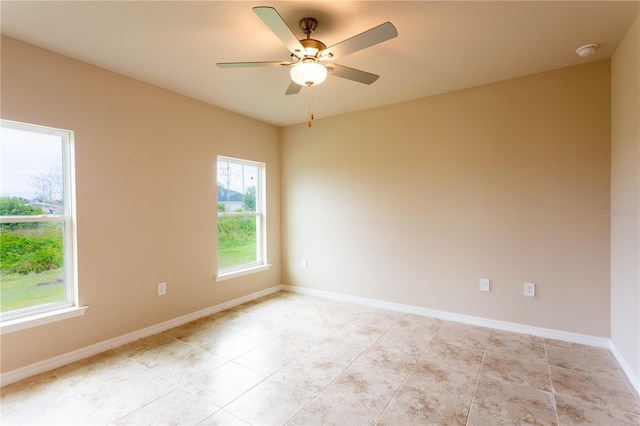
pixel 310 111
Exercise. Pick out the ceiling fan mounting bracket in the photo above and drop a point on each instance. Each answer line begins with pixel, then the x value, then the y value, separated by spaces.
pixel 308 25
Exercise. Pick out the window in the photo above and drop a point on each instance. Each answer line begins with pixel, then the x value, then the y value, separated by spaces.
pixel 241 217
pixel 36 222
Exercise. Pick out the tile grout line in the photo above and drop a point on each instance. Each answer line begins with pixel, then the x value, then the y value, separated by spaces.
pixel 553 390
pixel 625 378
pixel 475 387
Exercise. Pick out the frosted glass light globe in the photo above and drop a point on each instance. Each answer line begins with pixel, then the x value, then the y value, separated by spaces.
pixel 308 73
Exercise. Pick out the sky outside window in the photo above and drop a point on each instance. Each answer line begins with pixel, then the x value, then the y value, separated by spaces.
pixel 25 157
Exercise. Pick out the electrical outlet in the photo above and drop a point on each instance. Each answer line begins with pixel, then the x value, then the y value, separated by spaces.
pixel 529 289
pixel 162 289
pixel 484 284
pixel 303 263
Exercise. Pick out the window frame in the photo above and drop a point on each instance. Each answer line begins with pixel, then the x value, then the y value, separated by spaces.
pixel 40 314
pixel 261 263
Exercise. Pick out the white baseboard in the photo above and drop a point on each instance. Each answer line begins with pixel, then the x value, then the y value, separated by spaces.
pixel 633 379
pixel 64 359
pixel 584 339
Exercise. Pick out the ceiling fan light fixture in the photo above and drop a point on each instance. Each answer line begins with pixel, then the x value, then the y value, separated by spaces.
pixel 308 73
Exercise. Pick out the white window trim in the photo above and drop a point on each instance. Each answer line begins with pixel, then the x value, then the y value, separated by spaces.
pixel 42 318
pixel 44 314
pixel 261 228
pixel 240 272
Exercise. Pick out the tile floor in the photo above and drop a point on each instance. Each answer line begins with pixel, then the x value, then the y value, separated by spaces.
pixel 294 359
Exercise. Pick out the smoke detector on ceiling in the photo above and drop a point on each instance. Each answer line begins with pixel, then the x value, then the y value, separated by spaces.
pixel 586 50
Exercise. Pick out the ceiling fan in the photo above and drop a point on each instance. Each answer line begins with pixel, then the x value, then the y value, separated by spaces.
pixel 310 59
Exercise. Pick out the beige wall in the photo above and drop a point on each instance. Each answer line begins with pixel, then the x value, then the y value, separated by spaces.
pixel 146 207
pixel 413 203
pixel 625 198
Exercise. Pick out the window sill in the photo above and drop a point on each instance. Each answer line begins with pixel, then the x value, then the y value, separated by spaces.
pixel 233 274
pixel 41 319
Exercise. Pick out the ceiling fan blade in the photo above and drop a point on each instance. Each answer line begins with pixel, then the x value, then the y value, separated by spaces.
pixel 293 88
pixel 363 40
pixel 252 64
pixel 352 74
pixel 274 21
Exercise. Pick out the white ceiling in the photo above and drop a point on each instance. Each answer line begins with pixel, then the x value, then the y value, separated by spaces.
pixel 441 45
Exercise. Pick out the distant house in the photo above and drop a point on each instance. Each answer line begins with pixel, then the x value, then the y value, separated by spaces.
pixel 47 207
pixel 230 200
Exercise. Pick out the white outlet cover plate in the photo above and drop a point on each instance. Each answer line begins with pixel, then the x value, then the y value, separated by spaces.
pixel 484 284
pixel 529 289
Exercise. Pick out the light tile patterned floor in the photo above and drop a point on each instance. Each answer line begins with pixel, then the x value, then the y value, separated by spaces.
pixel 294 359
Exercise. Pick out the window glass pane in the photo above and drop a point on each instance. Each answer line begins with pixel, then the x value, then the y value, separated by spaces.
pixel 31 263
pixel 237 185
pixel 31 169
pixel 237 243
